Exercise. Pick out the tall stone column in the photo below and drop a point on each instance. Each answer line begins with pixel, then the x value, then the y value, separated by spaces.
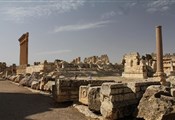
pixel 159 50
pixel 159 54
pixel 24 49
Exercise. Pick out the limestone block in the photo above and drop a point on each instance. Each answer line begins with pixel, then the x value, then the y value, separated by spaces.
pixel 94 99
pixel 112 88
pixel 83 94
pixel 129 96
pixel 116 98
pixel 108 112
pixel 113 111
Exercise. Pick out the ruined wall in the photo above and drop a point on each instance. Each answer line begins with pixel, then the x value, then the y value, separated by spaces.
pixel 68 90
pixel 41 67
pixel 169 64
pixel 21 69
pixel 24 49
pixel 103 59
pixel 134 67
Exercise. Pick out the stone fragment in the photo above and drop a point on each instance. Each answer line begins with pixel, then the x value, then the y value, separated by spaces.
pixel 83 94
pixel 157 104
pixel 94 99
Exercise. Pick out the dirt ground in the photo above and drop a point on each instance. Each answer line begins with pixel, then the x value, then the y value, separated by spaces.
pixel 19 103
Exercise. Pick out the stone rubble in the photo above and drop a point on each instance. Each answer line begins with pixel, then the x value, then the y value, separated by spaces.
pixel 157 104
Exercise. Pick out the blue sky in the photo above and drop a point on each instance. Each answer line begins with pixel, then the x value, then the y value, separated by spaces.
pixel 65 29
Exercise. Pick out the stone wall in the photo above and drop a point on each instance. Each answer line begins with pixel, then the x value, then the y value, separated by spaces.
pixel 34 68
pixel 68 90
pixel 40 68
pixel 21 69
pixel 103 59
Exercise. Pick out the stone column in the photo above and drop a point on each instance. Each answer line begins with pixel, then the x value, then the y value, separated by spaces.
pixel 159 50
pixel 159 55
pixel 24 49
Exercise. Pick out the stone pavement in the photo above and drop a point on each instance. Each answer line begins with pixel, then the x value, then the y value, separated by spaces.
pixel 18 103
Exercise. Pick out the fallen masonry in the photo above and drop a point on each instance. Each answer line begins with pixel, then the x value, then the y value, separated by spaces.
pixel 94 99
pixel 68 90
pixel 111 99
pixel 114 100
pixel 157 103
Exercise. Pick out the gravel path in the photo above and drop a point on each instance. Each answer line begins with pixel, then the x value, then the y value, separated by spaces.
pixel 18 103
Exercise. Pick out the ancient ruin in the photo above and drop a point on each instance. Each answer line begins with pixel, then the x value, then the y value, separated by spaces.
pixel 134 66
pixel 41 67
pixel 23 62
pixel 159 55
pixel 169 64
pixel 23 40
pixel 113 91
pixel 103 59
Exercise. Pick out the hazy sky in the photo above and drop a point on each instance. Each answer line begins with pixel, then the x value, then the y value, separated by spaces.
pixel 66 29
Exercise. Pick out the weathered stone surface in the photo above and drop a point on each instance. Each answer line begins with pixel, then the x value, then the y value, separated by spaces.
pixel 117 100
pixel 157 104
pixel 19 78
pixel 13 77
pixel 103 59
pixel 35 85
pixel 141 86
pixel 84 109
pixel 129 96
pixel 83 94
pixel 24 81
pixel 41 67
pixel 112 88
pixel 94 99
pixel 134 66
pixel 71 87
pixel 48 86
pixel 107 111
